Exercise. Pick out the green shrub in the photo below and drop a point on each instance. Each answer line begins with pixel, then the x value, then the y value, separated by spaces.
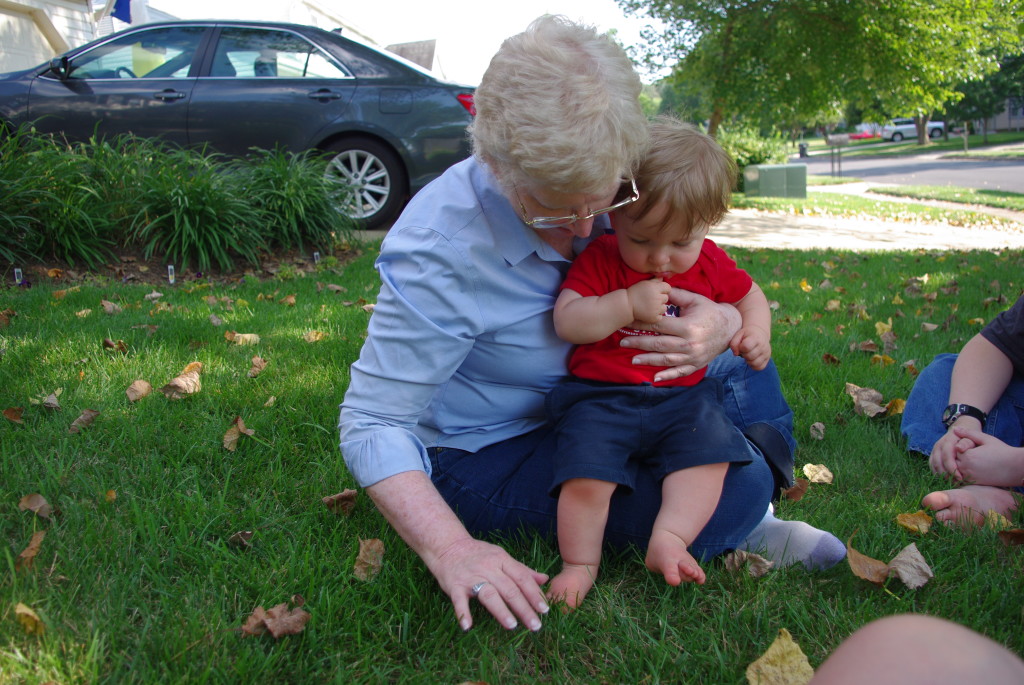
pixel 19 229
pixel 294 197
pixel 195 208
pixel 747 146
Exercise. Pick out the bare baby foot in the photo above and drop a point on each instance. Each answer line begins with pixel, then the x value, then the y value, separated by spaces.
pixel 667 555
pixel 966 506
pixel 572 584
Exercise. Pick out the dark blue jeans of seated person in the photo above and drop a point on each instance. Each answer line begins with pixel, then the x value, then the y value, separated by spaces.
pixel 503 488
pixel 922 416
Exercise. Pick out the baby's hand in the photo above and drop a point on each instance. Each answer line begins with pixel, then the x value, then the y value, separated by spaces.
pixel 753 344
pixel 648 299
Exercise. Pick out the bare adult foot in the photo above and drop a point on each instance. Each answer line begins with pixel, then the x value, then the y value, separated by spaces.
pixel 966 506
pixel 572 584
pixel 667 555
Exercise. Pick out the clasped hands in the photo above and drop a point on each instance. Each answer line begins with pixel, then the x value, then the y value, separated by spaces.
pixel 967 454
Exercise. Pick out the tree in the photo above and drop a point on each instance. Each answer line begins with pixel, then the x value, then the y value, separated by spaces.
pixel 787 61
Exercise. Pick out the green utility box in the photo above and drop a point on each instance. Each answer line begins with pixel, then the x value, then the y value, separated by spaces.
pixel 775 180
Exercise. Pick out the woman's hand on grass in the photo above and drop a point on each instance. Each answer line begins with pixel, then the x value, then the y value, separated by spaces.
pixel 511 591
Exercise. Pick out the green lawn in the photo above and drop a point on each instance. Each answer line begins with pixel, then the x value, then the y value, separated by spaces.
pixel 138 579
pixel 977 144
pixel 988 198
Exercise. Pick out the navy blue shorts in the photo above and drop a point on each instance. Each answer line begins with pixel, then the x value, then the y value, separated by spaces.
pixel 607 432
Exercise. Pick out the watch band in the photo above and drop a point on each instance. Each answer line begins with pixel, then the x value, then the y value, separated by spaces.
pixel 955 411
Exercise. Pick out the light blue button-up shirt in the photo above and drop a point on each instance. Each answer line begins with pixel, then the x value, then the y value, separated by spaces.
pixel 461 348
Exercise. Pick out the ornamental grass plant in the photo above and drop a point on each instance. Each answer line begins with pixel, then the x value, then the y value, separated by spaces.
pixel 141 577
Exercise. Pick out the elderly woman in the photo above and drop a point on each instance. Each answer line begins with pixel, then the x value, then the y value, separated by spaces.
pixel 444 422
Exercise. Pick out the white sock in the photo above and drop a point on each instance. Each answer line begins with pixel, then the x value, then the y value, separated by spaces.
pixel 787 542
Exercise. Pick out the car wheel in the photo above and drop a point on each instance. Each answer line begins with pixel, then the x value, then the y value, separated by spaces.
pixel 897 137
pixel 934 133
pixel 373 179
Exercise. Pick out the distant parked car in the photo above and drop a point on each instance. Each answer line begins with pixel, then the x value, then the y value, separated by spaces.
pixel 863 135
pixel 900 129
pixel 387 126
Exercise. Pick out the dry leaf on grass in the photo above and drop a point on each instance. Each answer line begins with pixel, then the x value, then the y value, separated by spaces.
pixel 818 473
pixel 241 539
pixel 234 433
pixel 13 414
pixel 28 619
pixel 216 320
pixel 371 556
pixel 51 402
pixel 784 663
pixel 314 336
pixel 28 555
pixel 138 389
pixel 84 420
pixel 818 430
pixel 110 496
pixel 288 301
pixel 864 567
pixel 35 503
pixel 110 307
pixel 866 401
pixel 996 521
pixel 242 338
pixel 186 383
pixel 756 565
pixel 278 621
pixel 895 406
pixel 830 359
pixel 918 522
pixel 270 401
pixel 797 492
pixel 368 308
pixel 910 567
pixel 1012 537
pixel 118 346
pixel 258 364
pixel 342 503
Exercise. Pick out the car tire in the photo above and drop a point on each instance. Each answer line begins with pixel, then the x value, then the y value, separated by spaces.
pixel 897 137
pixel 374 179
pixel 935 133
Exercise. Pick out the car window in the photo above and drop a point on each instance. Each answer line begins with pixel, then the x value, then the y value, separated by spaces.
pixel 158 53
pixel 255 53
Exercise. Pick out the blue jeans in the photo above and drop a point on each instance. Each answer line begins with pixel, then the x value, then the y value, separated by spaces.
pixel 503 488
pixel 922 416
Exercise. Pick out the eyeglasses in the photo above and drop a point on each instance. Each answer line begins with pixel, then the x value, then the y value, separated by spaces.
pixel 560 221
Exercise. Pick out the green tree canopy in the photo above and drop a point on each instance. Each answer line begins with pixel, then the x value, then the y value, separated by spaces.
pixel 789 61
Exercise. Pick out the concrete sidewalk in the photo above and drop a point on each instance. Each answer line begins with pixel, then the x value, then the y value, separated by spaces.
pixel 753 228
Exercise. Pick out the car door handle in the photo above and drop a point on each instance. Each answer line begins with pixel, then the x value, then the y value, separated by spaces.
pixel 168 95
pixel 324 94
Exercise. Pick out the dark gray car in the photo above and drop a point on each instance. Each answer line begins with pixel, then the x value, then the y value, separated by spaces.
pixel 387 126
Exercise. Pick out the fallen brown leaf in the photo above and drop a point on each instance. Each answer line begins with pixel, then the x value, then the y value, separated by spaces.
pixel 830 359
pixel 155 295
pixel 918 522
pixel 797 492
pixel 13 414
pixel 110 496
pixel 818 430
pixel 51 402
pixel 138 389
pixel 784 663
pixel 216 320
pixel 895 406
pixel 242 338
pixel 314 336
pixel 996 521
pixel 35 503
pixel 186 383
pixel 756 565
pixel 866 401
pixel 234 433
pixel 110 307
pixel 118 346
pixel 1012 537
pixel 278 621
pixel 288 301
pixel 864 567
pixel 28 619
pixel 28 555
pixel 818 473
pixel 342 503
pixel 84 420
pixel 910 567
pixel 371 556
pixel 258 364
pixel 241 539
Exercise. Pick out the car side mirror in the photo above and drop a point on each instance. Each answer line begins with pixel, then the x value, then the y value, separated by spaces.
pixel 61 67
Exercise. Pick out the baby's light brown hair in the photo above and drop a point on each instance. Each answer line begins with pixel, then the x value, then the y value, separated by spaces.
pixel 689 172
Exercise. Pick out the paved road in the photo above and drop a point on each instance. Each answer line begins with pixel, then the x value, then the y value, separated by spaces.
pixel 927 169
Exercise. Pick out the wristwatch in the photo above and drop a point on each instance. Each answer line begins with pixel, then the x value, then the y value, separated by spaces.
pixel 955 411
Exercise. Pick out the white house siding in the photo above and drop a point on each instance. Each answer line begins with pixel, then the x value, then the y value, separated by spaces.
pixel 33 31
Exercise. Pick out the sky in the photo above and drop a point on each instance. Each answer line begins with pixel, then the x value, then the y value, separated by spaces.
pixel 468 32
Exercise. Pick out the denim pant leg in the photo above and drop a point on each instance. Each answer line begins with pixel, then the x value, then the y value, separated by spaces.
pixel 503 489
pixel 922 416
pixel 753 396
